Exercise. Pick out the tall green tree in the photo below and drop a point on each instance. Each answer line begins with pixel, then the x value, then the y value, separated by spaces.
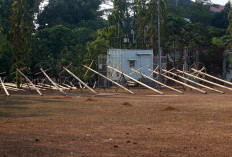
pixel 220 19
pixel 229 29
pixel 71 13
pixel 21 31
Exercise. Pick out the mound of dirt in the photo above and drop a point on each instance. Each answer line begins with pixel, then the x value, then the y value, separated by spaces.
pixel 90 99
pixel 170 108
pixel 127 104
pixel 66 97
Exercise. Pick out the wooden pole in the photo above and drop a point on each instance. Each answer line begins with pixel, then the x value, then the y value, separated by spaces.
pixel 3 86
pixel 211 76
pixel 88 69
pixel 136 80
pixel 52 82
pixel 182 83
pixel 201 85
pixel 117 84
pixel 80 80
pixel 215 84
pixel 44 71
pixel 156 81
pixel 30 82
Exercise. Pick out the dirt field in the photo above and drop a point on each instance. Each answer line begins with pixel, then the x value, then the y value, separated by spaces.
pixel 144 124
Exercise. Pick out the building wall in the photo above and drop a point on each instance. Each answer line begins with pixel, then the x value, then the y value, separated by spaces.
pixel 123 58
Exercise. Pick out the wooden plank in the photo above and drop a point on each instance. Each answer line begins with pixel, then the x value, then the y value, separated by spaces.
pixel 218 79
pixel 117 84
pixel 4 87
pixel 30 82
pixel 84 84
pixel 201 85
pixel 182 83
pixel 204 80
pixel 153 89
pixel 157 81
pixel 52 82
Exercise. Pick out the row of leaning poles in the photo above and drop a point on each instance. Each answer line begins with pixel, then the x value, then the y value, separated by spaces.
pixel 196 80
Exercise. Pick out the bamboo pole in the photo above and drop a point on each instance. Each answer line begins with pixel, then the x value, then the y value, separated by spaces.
pixel 215 84
pixel 182 83
pixel 201 85
pixel 156 81
pixel 53 82
pixel 136 80
pixel 80 81
pixel 44 71
pixel 211 76
pixel 30 82
pixel 117 84
pixel 88 69
pixel 3 86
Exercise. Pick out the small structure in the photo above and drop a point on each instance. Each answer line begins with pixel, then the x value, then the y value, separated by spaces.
pixel 126 59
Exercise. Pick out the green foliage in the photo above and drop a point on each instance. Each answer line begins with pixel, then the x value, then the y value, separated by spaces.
pixel 21 32
pixel 49 46
pixel 220 19
pixel 229 29
pixel 68 12
pixel 6 54
pixel 99 46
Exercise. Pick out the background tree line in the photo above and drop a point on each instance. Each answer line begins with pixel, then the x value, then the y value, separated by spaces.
pixel 73 31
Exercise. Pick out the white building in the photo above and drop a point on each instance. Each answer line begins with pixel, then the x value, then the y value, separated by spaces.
pixel 125 59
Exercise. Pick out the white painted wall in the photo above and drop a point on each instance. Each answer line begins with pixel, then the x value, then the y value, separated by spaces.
pixel 121 57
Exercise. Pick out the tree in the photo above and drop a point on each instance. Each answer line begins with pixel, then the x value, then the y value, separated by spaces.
pixel 21 31
pixel 200 12
pixel 220 19
pixel 69 13
pixel 229 29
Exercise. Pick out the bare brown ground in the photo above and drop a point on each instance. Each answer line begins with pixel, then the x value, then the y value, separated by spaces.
pixel 144 124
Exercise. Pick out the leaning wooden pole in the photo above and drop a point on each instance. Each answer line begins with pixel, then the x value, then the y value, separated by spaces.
pixel 218 79
pixel 28 80
pixel 84 84
pixel 52 82
pixel 182 83
pixel 4 87
pixel 117 84
pixel 136 80
pixel 156 81
pixel 204 80
pixel 201 85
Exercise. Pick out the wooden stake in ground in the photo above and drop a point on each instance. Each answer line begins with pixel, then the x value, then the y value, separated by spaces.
pixel 201 85
pixel 117 84
pixel 53 82
pixel 3 86
pixel 136 81
pixel 80 81
pixel 30 82
pixel 204 80
pixel 156 81
pixel 218 79
pixel 182 83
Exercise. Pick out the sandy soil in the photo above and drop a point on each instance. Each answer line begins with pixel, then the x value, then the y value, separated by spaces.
pixel 144 124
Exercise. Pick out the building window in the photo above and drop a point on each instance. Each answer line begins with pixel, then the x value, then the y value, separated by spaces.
pixel 132 64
